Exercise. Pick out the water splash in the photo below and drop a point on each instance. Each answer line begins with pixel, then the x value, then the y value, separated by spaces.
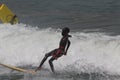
pixel 22 44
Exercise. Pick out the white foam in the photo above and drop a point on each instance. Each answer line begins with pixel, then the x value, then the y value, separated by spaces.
pixel 21 45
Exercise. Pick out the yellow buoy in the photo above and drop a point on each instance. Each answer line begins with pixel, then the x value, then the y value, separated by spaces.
pixel 6 15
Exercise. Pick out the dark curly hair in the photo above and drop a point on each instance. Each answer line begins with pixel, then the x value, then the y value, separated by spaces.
pixel 65 31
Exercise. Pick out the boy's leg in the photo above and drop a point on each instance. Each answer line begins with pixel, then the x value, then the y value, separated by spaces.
pixel 44 59
pixel 51 64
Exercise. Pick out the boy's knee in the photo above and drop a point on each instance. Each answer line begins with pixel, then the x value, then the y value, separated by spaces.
pixel 46 55
pixel 50 61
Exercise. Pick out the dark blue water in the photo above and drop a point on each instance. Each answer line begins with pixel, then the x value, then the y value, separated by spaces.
pixel 76 14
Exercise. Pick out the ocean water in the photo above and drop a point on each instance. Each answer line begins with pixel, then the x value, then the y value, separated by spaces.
pixel 95 43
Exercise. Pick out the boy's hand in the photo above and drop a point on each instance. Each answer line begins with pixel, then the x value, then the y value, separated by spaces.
pixel 65 53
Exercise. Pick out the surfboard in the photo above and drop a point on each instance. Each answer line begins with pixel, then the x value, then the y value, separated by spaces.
pixel 18 69
pixel 6 15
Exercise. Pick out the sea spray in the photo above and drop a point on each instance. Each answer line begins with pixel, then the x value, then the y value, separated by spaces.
pixel 22 44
